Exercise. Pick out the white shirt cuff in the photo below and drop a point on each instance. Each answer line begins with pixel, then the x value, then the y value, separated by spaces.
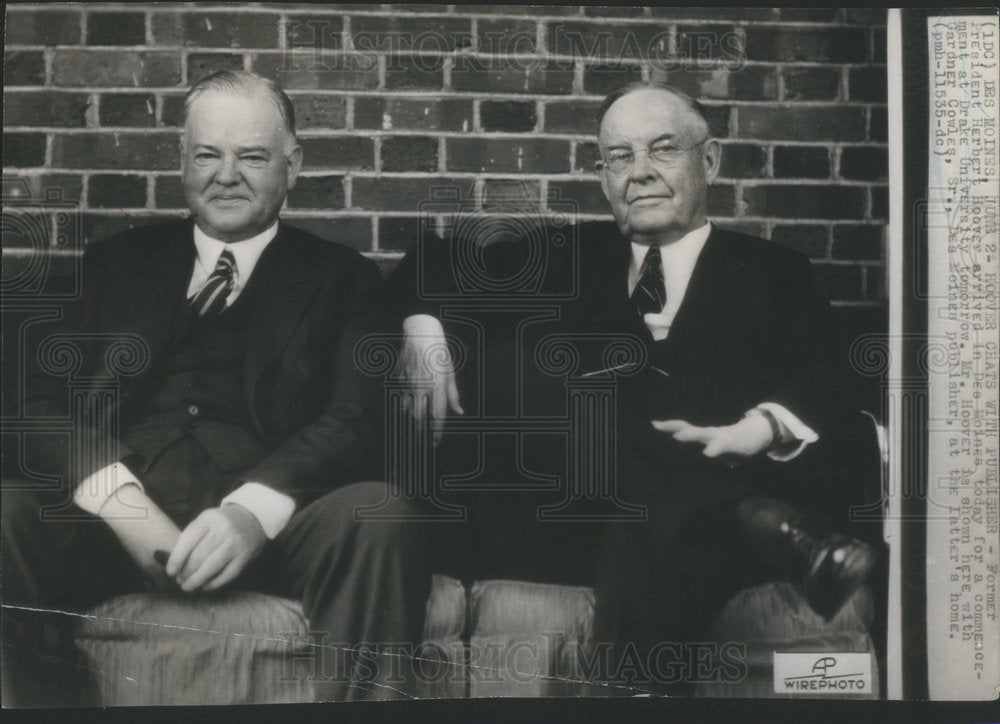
pixel 423 324
pixel 94 491
pixel 272 509
pixel 800 431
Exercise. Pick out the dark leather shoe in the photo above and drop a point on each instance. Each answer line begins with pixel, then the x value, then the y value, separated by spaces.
pixel 832 567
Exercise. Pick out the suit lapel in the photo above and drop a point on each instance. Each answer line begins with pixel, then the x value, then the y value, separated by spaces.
pixel 287 280
pixel 151 287
pixel 706 300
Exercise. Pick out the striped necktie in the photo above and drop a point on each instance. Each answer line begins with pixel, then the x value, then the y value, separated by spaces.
pixel 650 293
pixel 212 297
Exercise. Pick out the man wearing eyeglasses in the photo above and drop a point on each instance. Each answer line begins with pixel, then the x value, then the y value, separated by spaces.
pixel 717 431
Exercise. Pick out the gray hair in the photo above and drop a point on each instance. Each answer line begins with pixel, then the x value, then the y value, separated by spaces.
pixel 245 83
pixel 691 103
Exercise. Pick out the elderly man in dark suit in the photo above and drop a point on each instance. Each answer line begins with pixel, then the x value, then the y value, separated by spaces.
pixel 242 441
pixel 739 389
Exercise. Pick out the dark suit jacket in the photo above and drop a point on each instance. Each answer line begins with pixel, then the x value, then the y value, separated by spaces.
pixel 308 402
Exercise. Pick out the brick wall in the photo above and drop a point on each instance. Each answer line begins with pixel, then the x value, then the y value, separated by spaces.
pixel 496 101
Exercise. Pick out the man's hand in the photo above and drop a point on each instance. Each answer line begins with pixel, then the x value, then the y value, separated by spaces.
pixel 427 361
pixel 748 437
pixel 143 528
pixel 215 547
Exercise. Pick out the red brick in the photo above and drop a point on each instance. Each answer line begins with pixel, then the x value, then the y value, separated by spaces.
pixel 801 162
pixel 409 153
pixel 512 116
pixel 721 200
pixel 878 45
pixel 868 84
pixel 875 283
pixel 115 68
pixel 603 79
pixel 587 154
pixel 127 109
pixel 64 186
pixel 317 192
pixel 586 195
pixel 811 83
pixel 395 33
pixel 330 71
pixel 813 123
pixel 95 227
pixel 554 10
pixel 857 242
pixel 785 44
pixel 413 114
pixel 809 15
pixel 116 191
pixel 23 67
pixel 513 196
pixel 23 150
pixel 116 28
pixel 404 194
pixel 571 116
pixel 880 203
pixel 506 37
pixel 352 231
pixel 718 120
pixel 172 113
pixel 510 75
pixel 711 42
pixel 508 155
pixel 319 111
pixel 216 29
pixel 743 160
pixel 879 125
pixel 25 26
pixel 314 31
pixel 46 108
pixel 866 16
pixel 839 281
pixel 417 72
pixel 169 193
pixel 605 42
pixel 751 82
pixel 612 11
pixel 200 65
pixel 142 151
pixel 400 232
pixel 713 13
pixel 869 164
pixel 809 240
pixel 340 152
pixel 789 201
pixel 753 228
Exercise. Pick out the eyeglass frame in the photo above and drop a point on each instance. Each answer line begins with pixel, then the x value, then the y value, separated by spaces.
pixel 676 154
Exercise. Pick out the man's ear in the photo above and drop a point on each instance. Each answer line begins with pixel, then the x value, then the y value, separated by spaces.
pixel 294 165
pixel 604 184
pixel 712 159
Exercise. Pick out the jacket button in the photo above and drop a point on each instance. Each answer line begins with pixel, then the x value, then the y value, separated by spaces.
pixel 193 410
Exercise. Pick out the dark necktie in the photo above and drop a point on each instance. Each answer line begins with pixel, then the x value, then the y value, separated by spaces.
pixel 650 294
pixel 212 297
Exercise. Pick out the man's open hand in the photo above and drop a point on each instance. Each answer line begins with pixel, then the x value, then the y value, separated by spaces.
pixel 748 437
pixel 215 547
pixel 427 364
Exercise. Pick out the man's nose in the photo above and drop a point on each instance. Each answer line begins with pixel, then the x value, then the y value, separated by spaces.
pixel 228 173
pixel 642 169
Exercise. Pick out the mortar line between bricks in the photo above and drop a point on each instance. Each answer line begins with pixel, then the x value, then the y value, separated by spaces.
pixel 417 94
pixel 304 52
pixel 400 11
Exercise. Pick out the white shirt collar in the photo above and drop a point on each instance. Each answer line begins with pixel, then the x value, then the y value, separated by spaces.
pixel 246 253
pixel 680 254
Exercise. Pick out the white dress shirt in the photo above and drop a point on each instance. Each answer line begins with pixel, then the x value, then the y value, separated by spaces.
pixel 679 259
pixel 271 508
